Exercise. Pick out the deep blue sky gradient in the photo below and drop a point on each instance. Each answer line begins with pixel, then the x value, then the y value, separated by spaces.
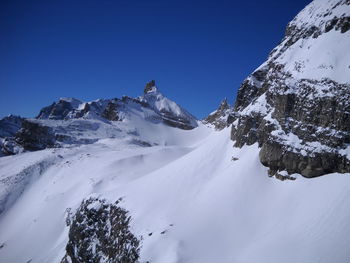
pixel 197 51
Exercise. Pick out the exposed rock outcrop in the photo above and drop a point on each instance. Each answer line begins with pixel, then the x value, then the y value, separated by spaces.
pixel 150 86
pixel 33 136
pixel 220 117
pixel 110 112
pixel 62 109
pixel 100 232
pixel 296 105
pixel 9 126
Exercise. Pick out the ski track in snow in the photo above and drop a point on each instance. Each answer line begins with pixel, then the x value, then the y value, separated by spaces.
pixel 199 205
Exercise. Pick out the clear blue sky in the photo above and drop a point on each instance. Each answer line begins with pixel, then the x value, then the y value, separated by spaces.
pixel 198 51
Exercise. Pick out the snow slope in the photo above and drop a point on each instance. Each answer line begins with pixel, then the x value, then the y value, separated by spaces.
pixel 199 205
pixel 322 54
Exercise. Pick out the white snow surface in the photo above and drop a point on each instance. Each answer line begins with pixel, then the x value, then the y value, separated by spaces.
pixel 327 55
pixel 211 208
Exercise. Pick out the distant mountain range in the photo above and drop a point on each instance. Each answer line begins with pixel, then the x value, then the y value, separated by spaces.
pixel 71 121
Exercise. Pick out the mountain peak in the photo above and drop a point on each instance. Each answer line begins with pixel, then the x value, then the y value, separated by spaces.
pixel 219 118
pixel 224 105
pixel 150 87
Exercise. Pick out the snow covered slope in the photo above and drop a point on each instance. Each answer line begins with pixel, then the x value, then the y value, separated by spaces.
pixel 194 200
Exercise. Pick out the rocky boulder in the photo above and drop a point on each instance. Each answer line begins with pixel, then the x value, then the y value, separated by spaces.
pixel 100 232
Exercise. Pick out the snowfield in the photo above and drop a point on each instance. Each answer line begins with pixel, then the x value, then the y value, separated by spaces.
pixel 189 200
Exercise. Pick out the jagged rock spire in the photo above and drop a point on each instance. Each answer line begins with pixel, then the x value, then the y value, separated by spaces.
pixel 150 87
pixel 224 105
pixel 219 118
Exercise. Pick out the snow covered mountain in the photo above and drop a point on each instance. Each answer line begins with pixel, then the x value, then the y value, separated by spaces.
pixel 296 105
pixel 140 180
pixel 156 107
pixel 70 121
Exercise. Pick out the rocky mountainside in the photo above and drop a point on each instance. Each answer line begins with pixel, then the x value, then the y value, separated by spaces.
pixel 71 121
pixel 296 105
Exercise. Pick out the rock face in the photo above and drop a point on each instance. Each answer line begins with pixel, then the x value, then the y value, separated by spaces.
pixel 70 108
pixel 150 86
pixel 296 105
pixel 220 117
pixel 60 110
pixel 110 112
pixel 33 136
pixel 100 232
pixel 9 126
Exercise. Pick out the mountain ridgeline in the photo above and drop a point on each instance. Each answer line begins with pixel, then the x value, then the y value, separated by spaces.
pixel 72 121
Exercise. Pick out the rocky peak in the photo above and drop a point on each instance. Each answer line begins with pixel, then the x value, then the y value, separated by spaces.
pixel 61 109
pixel 296 105
pixel 171 113
pixel 224 105
pixel 150 87
pixel 220 117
